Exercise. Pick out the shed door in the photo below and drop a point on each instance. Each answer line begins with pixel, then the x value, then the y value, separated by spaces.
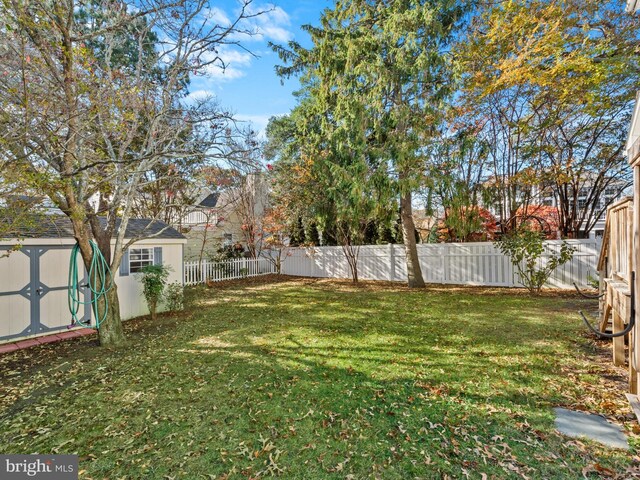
pixel 33 291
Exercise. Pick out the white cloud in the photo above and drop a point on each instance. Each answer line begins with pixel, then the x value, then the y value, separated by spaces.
pixel 266 23
pixel 271 24
pixel 231 61
pixel 277 34
pixel 259 122
pixel 200 95
pixel 229 64
pixel 217 15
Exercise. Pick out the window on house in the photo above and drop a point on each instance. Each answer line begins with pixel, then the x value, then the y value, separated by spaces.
pixel 547 202
pixel 227 240
pixel 582 203
pixel 140 258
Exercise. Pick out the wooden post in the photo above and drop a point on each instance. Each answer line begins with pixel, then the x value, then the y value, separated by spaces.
pixel 635 336
pixel 601 290
pixel 604 319
pixel 631 247
pixel 618 342
pixel 630 234
pixel 633 374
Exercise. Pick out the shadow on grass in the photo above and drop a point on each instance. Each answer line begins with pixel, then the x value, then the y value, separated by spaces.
pixel 307 382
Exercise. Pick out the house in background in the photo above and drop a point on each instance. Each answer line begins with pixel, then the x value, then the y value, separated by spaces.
pixel 221 219
pixel 591 210
pixel 616 190
pixel 424 224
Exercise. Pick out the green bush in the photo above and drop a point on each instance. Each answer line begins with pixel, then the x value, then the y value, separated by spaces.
pixel 154 279
pixel 228 252
pixel 525 248
pixel 223 255
pixel 174 296
pixel 593 282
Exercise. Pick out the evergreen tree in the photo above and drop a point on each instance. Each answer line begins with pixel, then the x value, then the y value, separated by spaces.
pixel 378 75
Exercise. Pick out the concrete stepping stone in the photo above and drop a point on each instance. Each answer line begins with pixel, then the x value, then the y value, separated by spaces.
pixel 593 427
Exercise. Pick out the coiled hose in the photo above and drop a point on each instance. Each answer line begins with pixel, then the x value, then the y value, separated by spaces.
pixel 97 276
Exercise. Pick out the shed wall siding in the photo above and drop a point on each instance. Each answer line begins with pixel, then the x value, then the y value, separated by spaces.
pixel 132 303
pixel 15 275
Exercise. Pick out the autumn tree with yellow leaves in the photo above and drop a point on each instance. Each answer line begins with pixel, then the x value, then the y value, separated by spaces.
pixel 549 86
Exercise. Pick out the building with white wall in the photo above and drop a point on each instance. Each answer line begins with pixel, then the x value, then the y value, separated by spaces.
pixel 616 189
pixel 34 278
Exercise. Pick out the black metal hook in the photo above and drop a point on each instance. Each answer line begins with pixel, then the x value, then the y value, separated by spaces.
pixel 632 315
pixel 586 295
pixel 605 334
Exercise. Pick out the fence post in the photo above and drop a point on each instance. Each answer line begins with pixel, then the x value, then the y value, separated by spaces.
pixel 446 276
pixel 203 274
pixel 392 263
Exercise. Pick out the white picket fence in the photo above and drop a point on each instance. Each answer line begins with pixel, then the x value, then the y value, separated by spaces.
pixel 478 263
pixel 201 272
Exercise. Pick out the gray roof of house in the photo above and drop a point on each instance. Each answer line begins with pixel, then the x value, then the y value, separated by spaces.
pixel 59 226
pixel 210 200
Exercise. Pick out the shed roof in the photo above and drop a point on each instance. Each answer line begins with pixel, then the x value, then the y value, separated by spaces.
pixel 59 226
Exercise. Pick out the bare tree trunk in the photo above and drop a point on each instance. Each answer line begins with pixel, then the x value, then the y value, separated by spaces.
pixel 204 243
pixel 281 253
pixel 352 252
pixel 354 273
pixel 110 332
pixel 414 272
pixel 205 234
pixel 153 309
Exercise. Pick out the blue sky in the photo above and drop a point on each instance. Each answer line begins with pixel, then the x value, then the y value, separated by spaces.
pixel 249 87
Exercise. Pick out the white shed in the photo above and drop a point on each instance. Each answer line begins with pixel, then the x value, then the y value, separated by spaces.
pixel 34 279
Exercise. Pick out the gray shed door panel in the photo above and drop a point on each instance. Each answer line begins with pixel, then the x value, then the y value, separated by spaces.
pixel 33 291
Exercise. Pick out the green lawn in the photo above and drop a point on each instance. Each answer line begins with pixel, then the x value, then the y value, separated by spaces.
pixel 317 379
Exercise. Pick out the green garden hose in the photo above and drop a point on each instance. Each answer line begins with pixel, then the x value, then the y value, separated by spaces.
pixel 96 282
